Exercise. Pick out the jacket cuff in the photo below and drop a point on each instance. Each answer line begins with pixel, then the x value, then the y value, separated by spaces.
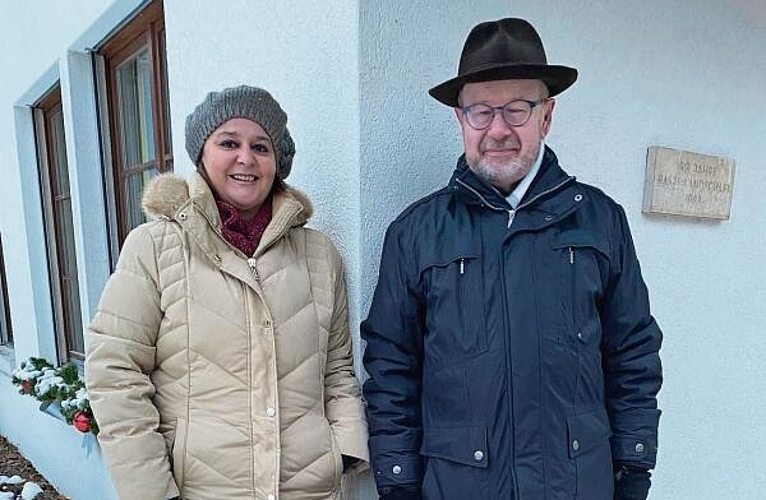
pixel 402 470
pixel 634 438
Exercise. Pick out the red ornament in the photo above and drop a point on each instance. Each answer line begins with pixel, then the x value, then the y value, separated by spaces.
pixel 26 386
pixel 81 422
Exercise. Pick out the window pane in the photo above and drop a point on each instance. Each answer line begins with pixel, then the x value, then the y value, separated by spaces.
pixel 67 256
pixel 58 146
pixel 135 105
pixel 6 335
pixel 134 189
pixel 167 145
pixel 71 298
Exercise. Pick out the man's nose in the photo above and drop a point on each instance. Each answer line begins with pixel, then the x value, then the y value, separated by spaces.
pixel 499 127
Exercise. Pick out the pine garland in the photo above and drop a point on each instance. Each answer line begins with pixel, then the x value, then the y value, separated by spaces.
pixel 38 378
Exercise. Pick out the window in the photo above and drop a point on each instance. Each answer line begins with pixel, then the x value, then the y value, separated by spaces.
pixel 59 229
pixel 6 332
pixel 136 84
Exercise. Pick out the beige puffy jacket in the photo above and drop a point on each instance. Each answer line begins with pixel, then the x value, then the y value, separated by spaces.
pixel 217 376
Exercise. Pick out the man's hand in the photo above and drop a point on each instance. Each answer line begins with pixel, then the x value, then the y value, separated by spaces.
pixel 401 493
pixel 631 483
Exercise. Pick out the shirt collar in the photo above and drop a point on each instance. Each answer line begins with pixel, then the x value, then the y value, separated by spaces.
pixel 521 188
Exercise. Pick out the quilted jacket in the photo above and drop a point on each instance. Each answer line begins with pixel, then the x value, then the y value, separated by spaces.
pixel 511 353
pixel 215 375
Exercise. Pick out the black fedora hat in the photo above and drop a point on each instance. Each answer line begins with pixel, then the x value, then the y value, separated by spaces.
pixel 505 49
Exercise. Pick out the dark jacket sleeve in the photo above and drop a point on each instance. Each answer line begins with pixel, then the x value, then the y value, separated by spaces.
pixel 393 356
pixel 632 368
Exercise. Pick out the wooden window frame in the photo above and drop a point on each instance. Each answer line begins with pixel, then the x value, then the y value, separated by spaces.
pixel 144 32
pixel 66 321
pixel 6 328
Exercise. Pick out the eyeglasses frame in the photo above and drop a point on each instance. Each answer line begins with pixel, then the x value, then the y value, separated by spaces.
pixel 499 109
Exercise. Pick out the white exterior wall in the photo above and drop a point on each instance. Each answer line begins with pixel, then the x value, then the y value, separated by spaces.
pixel 353 77
pixel 304 53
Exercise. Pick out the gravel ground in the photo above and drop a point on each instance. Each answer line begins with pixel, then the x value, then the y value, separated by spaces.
pixel 12 463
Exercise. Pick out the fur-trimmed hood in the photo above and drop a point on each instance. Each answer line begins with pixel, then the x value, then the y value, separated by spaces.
pixel 168 193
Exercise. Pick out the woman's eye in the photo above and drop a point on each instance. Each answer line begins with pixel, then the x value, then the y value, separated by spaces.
pixel 261 148
pixel 229 144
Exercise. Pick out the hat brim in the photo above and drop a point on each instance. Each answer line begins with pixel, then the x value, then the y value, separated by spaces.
pixel 557 78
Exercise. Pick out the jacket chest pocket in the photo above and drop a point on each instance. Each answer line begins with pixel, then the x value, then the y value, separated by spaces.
pixel 582 265
pixel 455 312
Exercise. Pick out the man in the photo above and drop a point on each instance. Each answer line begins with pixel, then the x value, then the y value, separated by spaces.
pixel 510 347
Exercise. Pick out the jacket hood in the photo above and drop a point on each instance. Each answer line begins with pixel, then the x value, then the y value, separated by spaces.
pixel 167 193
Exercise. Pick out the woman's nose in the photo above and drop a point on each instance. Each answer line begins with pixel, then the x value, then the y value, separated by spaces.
pixel 245 156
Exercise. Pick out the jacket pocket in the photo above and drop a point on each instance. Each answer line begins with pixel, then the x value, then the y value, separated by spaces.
pixel 584 264
pixel 179 452
pixel 455 311
pixel 589 449
pixel 456 461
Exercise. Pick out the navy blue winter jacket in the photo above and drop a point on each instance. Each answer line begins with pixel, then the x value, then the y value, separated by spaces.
pixel 511 362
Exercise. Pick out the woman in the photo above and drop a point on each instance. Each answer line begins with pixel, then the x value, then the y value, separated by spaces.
pixel 219 361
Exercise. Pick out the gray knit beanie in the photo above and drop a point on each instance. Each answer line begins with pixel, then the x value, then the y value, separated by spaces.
pixel 252 103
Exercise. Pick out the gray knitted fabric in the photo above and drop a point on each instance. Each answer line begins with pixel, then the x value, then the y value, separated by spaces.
pixel 252 103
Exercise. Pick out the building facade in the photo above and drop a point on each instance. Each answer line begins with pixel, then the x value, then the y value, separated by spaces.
pixel 93 104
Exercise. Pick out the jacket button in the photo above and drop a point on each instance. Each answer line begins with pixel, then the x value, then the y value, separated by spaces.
pixel 575 445
pixel 579 335
pixel 548 218
pixel 396 469
pixel 578 197
pixel 182 216
pixel 270 412
pixel 478 455
pixel 639 447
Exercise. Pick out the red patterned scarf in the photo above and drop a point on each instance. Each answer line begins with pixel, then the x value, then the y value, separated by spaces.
pixel 244 234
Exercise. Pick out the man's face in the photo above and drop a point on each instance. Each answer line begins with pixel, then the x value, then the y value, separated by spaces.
pixel 500 154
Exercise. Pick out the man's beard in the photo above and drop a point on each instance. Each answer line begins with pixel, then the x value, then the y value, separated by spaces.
pixel 504 176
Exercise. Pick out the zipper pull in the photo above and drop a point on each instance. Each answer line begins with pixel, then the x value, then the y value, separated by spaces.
pixel 511 215
pixel 571 255
pixel 251 263
pixel 462 266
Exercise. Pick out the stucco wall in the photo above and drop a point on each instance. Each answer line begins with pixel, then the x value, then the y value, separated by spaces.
pixel 688 74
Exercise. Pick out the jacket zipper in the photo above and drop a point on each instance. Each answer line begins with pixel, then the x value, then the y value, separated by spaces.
pixel 268 324
pixel 575 326
pixel 509 363
pixel 512 212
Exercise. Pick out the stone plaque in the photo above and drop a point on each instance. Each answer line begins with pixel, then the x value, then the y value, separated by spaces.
pixel 690 184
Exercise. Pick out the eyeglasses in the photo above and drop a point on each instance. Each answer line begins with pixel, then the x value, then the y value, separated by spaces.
pixel 515 113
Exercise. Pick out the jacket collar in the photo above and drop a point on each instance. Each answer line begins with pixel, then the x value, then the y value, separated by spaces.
pixel 472 190
pixel 192 204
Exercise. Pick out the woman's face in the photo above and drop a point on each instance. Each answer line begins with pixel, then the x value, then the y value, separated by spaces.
pixel 240 162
